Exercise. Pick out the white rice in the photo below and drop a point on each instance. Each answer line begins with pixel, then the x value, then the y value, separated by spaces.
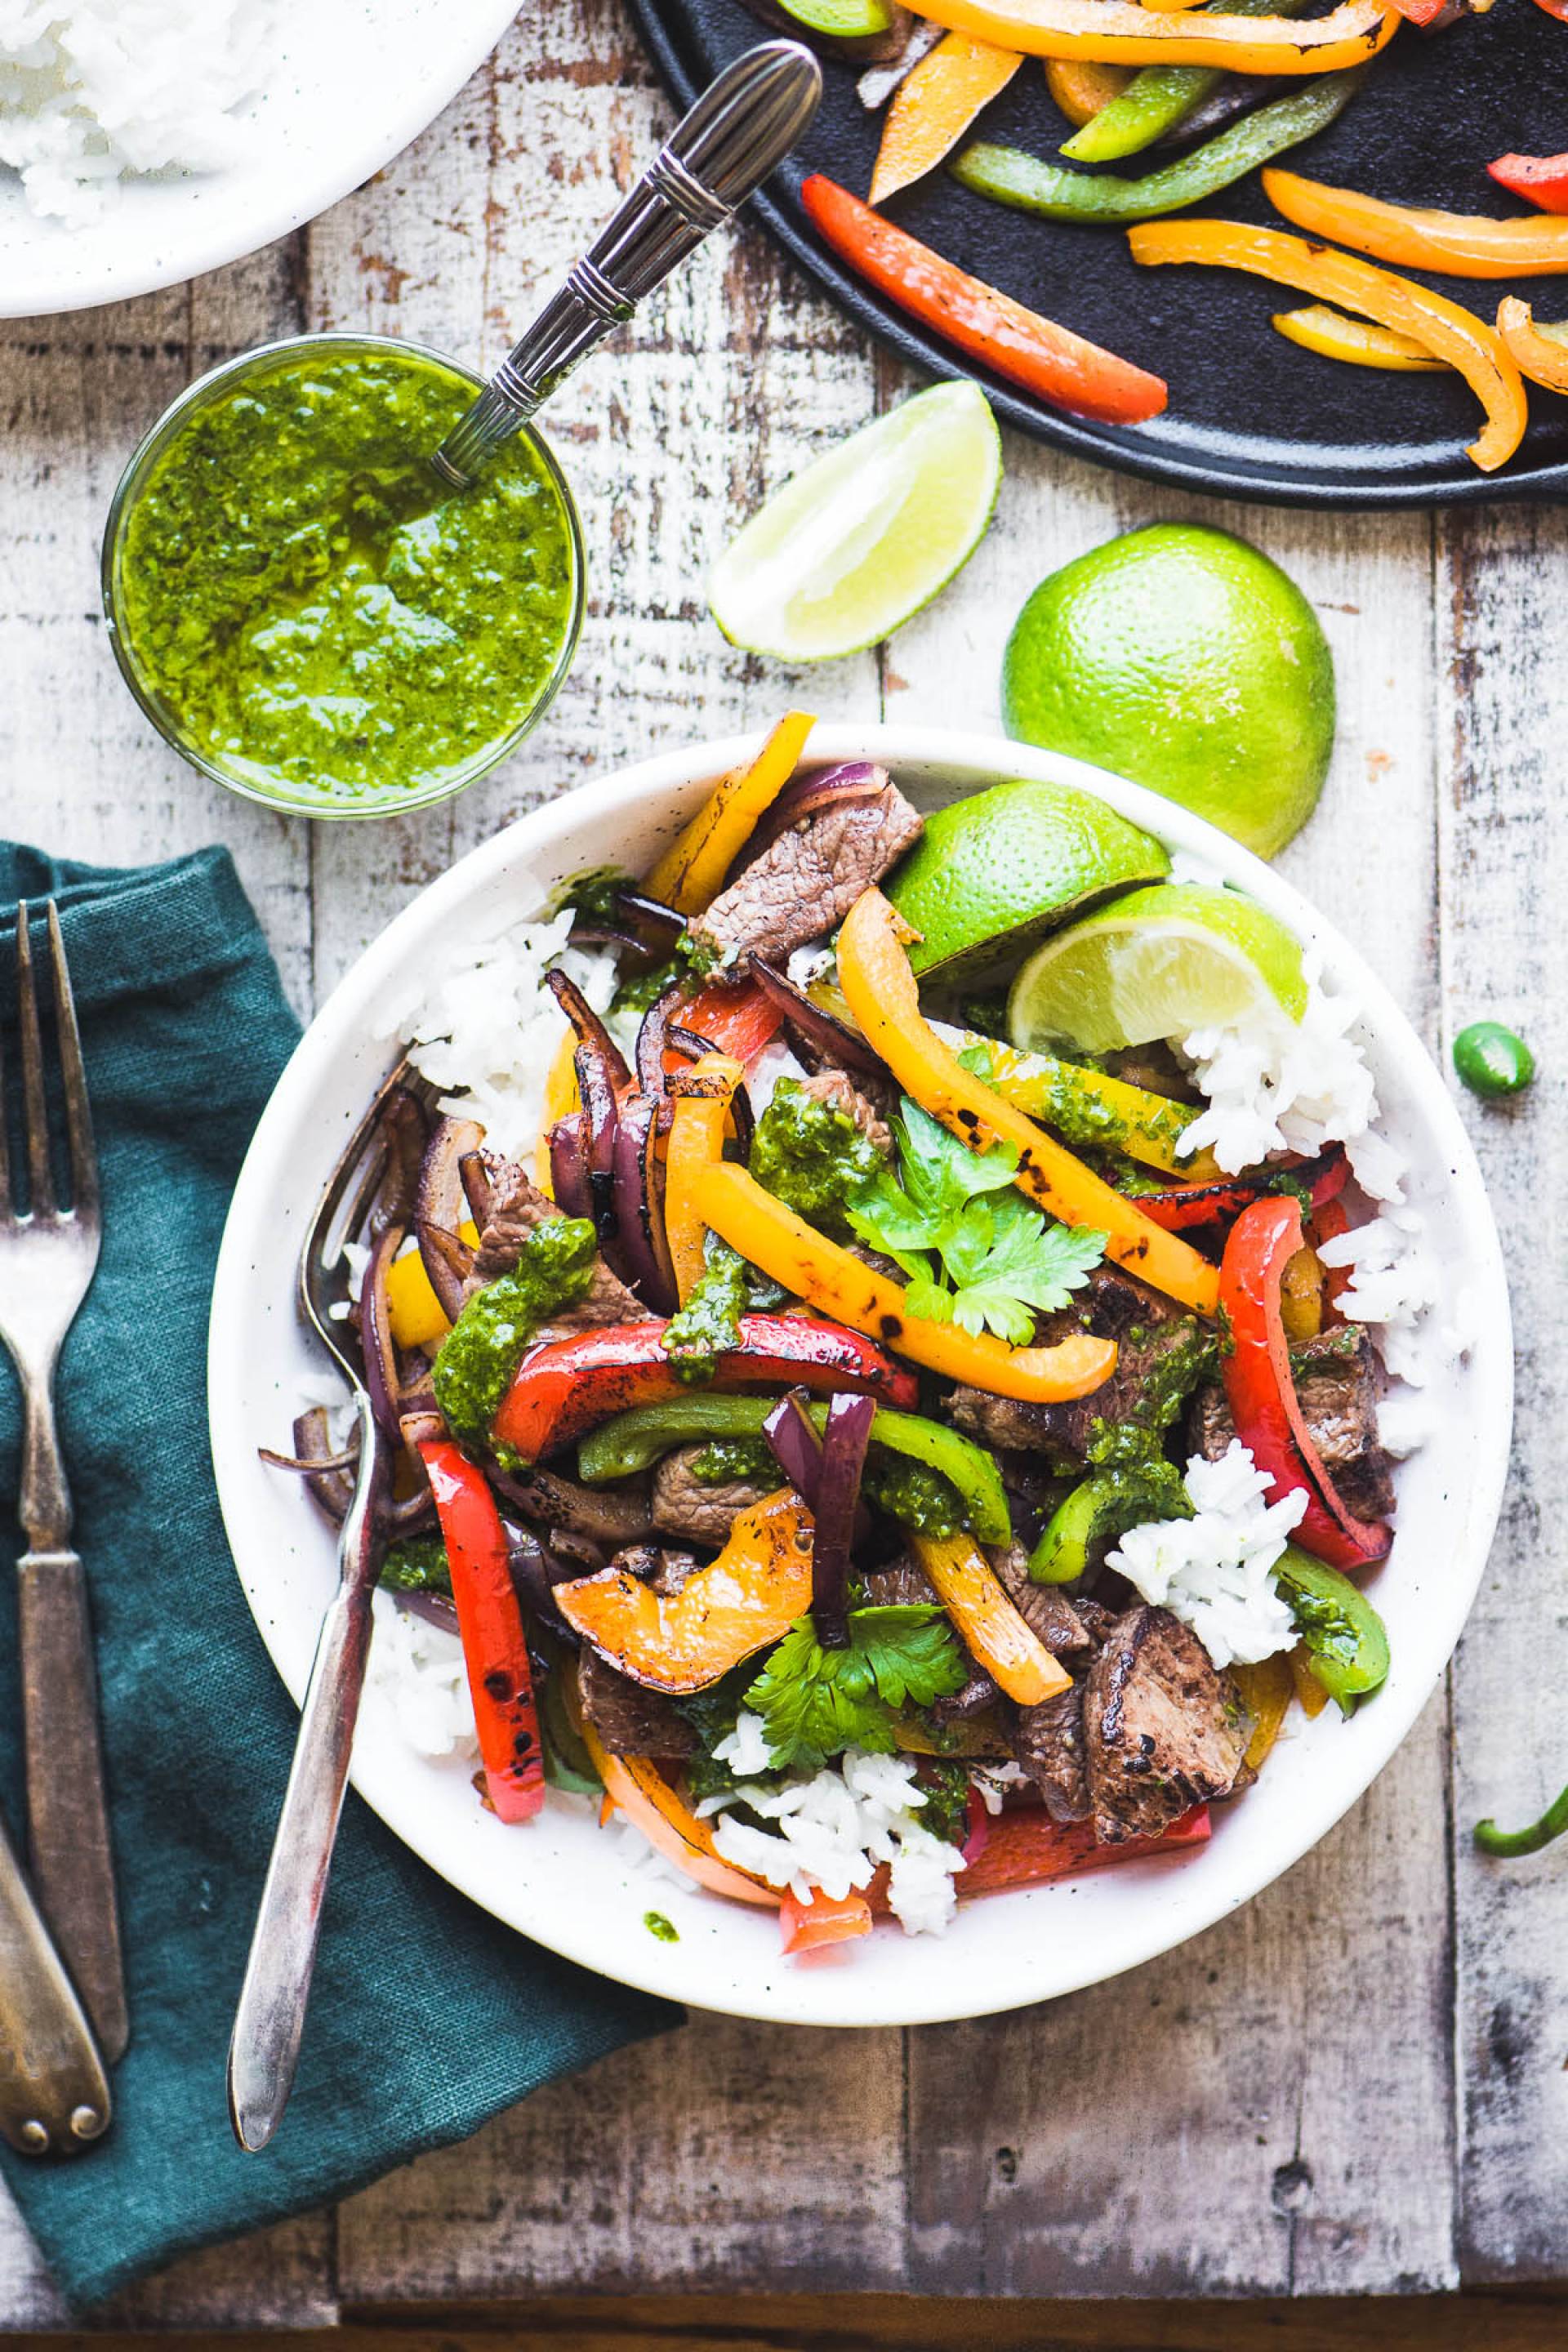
pixel 1214 1570
pixel 418 1668
pixel 93 89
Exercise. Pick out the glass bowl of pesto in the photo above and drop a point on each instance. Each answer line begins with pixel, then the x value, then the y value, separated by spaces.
pixel 307 613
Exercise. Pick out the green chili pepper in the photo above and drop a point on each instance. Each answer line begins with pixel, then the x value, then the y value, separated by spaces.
pixel 1159 99
pixel 1346 1642
pixel 1010 177
pixel 1508 1843
pixel 1491 1060
pixel 621 1447
pixel 1061 1554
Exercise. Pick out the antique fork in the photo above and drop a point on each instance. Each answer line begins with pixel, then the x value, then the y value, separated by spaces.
pixel 47 1258
pixel 264 2049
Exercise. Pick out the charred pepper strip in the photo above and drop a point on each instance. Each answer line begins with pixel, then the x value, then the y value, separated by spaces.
pixel 1319 328
pixel 934 106
pixel 1027 1848
pixel 1262 1394
pixel 691 871
pixel 1011 177
pixel 1540 179
pixel 489 1618
pixel 1464 244
pixel 1540 352
pixel 1115 32
pixel 1159 99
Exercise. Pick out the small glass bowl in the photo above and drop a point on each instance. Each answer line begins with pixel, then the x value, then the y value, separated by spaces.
pixel 210 387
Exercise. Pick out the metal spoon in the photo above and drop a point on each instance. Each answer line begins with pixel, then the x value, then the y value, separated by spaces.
pixel 742 126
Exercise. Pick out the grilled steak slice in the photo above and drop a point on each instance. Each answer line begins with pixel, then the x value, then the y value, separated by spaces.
pixel 904 1585
pixel 840 1093
pixel 1337 1376
pixel 606 1514
pixel 665 1569
pixel 517 1206
pixel 1045 1608
pixel 805 883
pixel 1162 1731
pixel 1049 1744
pixel 1114 1306
pixel 630 1719
pixel 976 1695
pixel 684 1505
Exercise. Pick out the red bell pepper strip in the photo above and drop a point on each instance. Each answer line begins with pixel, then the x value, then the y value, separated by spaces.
pixel 1558 8
pixel 1262 1396
pixel 1026 1848
pixel 1329 1221
pixel 737 1021
pixel 489 1618
pixel 1540 179
pixel 808 1926
pixel 1420 12
pixel 1051 362
pixel 1209 1204
pixel 566 1386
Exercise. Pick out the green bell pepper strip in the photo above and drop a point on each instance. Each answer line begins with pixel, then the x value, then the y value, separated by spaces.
pixel 1011 177
pixel 1062 1551
pixel 1507 1843
pixel 1159 99
pixel 1346 1644
pixel 621 1447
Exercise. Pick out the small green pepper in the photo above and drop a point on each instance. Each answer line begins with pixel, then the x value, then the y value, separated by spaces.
pixel 1159 99
pixel 1011 177
pixel 1061 1554
pixel 1491 1060
pixel 1346 1642
pixel 1507 1843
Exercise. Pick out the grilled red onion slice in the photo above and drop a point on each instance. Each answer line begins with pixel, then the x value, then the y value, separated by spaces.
pixel 590 1030
pixel 476 1183
pixel 330 1480
pixel 438 1208
pixel 796 1447
pixel 639 1205
pixel 403 1130
pixel 377 1348
pixel 434 1607
pixel 823 1037
pixel 666 923
pixel 843 1443
pixel 535 1571
pixel 803 796
pixel 652 1037
pixel 569 1166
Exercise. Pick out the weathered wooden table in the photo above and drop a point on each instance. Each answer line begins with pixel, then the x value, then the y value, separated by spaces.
pixel 1358 2083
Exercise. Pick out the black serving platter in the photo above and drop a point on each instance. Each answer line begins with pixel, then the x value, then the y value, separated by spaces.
pixel 1250 415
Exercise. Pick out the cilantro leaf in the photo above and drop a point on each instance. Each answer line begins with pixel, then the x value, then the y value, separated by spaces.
pixel 815 1703
pixel 940 1172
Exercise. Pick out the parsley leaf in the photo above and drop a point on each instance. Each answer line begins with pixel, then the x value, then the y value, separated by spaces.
pixel 815 1703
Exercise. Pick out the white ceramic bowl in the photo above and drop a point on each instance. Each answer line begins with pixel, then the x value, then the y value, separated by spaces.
pixel 562 1880
pixel 349 84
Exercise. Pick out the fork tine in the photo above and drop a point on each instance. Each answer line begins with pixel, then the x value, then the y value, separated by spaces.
pixel 73 1080
pixel 40 1178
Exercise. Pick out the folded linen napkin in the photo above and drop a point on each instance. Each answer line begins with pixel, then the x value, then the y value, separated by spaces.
pixel 428 2016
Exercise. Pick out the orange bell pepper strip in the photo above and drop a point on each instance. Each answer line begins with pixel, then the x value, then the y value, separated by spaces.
pixel 1540 179
pixel 1266 1690
pixel 808 1926
pixel 1450 333
pixel 882 992
pixel 1558 8
pixel 1029 1849
pixel 1462 245
pixel 1358 341
pixel 763 1230
pixel 1540 353
pixel 1116 33
pixel 934 106
pixel 561 1098
pixel 1082 91
pixel 1051 362
pixel 1314 1698
pixel 417 1315
pixel 696 1142
pixel 995 1635
pixel 691 871
pixel 490 1619
pixel 635 1787
pixel 743 1600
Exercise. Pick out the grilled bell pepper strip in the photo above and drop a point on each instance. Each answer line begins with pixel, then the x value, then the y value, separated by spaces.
pixel 880 989
pixel 737 1017
pixel 1343 1636
pixel 1540 353
pixel 1450 333
pixel 1009 176
pixel 691 872
pixel 635 1787
pixel 1185 1205
pixel 752 1221
pixel 620 1448
pixel 490 1619
pixel 415 1315
pixel 934 106
pixel 1114 32
pixel 564 1387
pixel 1462 245
pixel 825 1919
pixel 1540 179
pixel 1160 98
pixel 1558 8
pixel 1083 91
pixel 1266 1690
pixel 994 1634
pixel 1051 362
pixel 1090 1109
pixel 1357 341
pixel 696 1140
pixel 1309 1692
pixel 1027 1848
pixel 1262 1396
pixel 740 1602
pixel 1062 1553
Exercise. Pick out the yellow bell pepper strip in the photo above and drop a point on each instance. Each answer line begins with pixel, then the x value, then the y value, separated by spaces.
pixel 1091 1108
pixel 417 1315
pixel 1461 245
pixel 752 1221
pixel 696 1142
pixel 1319 328
pixel 561 1097
pixel 1266 1690
pixel 934 106
pixel 1301 1297
pixel 875 975
pixel 635 1787
pixel 1117 32
pixel 1314 1698
pixel 1540 353
pixel 740 1602
pixel 1082 91
pixel 994 1634
pixel 1447 331
pixel 691 871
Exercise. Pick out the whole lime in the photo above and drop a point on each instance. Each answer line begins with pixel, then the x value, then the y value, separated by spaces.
pixel 1185 659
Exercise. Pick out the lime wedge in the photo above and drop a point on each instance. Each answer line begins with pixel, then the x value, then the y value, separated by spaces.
pixel 855 545
pixel 1157 963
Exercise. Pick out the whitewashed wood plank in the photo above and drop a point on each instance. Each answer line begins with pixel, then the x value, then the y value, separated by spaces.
pixel 1503 645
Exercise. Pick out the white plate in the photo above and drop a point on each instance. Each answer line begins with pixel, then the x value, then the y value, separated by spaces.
pixel 351 83
pixel 562 1880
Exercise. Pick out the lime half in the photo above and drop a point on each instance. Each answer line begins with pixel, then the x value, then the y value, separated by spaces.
pixel 1157 963
pixel 855 546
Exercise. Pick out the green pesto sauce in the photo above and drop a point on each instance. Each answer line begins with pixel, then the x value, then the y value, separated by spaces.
pixel 417 1564
pixel 726 1461
pixel 913 1493
pixel 657 1925
pixel 319 613
pixel 710 1322
pixel 482 1349
pixel 811 1157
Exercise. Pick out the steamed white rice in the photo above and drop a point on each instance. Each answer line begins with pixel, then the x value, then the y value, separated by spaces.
pixel 1214 1570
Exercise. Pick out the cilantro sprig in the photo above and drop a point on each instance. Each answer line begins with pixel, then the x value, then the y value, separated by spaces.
pixel 815 1703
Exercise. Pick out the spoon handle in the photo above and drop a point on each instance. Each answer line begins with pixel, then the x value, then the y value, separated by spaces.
pixel 745 124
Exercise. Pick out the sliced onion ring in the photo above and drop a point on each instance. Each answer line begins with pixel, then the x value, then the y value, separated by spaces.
pixel 807 795
pixel 824 1040
pixel 843 1443
pixel 639 1204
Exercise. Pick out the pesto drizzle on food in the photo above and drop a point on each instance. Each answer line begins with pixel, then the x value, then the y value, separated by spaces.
pixel 484 1347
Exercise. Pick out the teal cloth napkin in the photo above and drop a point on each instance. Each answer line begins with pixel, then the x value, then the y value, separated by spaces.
pixel 428 2016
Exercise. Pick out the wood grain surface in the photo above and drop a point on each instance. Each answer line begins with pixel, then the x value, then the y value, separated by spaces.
pixel 1357 2085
